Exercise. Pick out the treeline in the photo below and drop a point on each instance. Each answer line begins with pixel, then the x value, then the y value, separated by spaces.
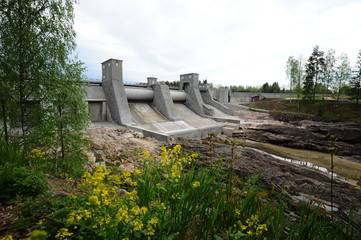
pixel 266 88
pixel 325 73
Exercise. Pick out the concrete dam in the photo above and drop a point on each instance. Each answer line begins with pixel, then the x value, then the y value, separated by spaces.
pixel 154 109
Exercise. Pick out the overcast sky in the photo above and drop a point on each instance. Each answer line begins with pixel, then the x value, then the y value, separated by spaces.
pixel 228 42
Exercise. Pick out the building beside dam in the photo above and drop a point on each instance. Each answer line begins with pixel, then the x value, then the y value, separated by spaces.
pixel 156 110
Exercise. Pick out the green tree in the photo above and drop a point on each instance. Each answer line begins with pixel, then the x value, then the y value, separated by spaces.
pixel 292 72
pixel 265 88
pixel 343 73
pixel 329 71
pixel 36 40
pixel 314 68
pixel 275 88
pixel 355 82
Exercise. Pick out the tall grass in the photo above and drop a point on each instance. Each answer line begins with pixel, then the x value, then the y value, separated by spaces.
pixel 16 176
pixel 173 196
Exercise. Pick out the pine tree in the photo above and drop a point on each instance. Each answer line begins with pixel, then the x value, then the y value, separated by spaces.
pixel 314 68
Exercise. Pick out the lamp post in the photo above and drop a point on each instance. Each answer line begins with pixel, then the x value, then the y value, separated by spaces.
pixel 4 96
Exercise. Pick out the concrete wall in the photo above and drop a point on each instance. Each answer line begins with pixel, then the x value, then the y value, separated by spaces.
pixel 94 93
pixel 220 95
pixel 208 99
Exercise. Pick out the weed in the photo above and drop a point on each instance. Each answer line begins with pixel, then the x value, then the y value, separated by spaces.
pixel 211 140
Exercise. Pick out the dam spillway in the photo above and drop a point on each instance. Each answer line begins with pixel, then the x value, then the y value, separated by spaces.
pixel 156 110
pixel 147 117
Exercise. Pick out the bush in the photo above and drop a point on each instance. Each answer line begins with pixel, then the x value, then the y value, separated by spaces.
pixel 15 177
pixel 20 181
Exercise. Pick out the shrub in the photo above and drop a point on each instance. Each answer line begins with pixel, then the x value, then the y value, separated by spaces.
pixel 15 177
pixel 20 181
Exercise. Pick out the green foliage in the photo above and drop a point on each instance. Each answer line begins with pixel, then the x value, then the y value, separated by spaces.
pixel 172 83
pixel 211 140
pixel 314 68
pixel 355 82
pixel 36 39
pixel 20 181
pixel 233 144
pixel 16 178
pixel 173 196
pixel 34 210
pixel 241 88
pixel 45 95
pixel 294 72
pixel 274 88
pixel 343 73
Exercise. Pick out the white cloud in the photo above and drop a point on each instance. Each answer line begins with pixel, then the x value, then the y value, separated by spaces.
pixel 229 42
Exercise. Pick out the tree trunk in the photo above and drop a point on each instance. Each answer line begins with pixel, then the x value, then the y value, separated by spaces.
pixel 21 85
pixel 61 133
pixel 326 91
pixel 4 121
pixel 339 90
pixel 314 88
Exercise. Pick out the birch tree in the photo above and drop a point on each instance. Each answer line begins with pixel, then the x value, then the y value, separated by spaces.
pixel 343 73
pixel 36 40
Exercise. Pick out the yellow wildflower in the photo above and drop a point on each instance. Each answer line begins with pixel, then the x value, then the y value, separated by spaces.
pixel 137 172
pixel 237 211
pixel 162 206
pixel 7 237
pixel 94 200
pixel 127 173
pixel 175 196
pixel 63 233
pixel 146 154
pixel 138 225
pixel 38 235
pixel 133 195
pixel 153 221
pixel 196 184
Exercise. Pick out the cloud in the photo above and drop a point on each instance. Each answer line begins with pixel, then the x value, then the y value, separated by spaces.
pixel 229 42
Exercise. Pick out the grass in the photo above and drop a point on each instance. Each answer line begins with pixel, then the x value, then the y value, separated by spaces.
pixel 174 196
pixel 169 196
pixel 342 166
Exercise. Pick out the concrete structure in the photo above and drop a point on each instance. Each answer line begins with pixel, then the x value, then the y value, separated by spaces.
pixel 190 84
pixel 154 109
pixel 163 101
pixel 224 95
pixel 112 71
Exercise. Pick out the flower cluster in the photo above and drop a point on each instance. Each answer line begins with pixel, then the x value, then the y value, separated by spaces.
pixel 174 163
pixel 249 229
pixel 36 154
pixel 110 208
pixel 35 157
